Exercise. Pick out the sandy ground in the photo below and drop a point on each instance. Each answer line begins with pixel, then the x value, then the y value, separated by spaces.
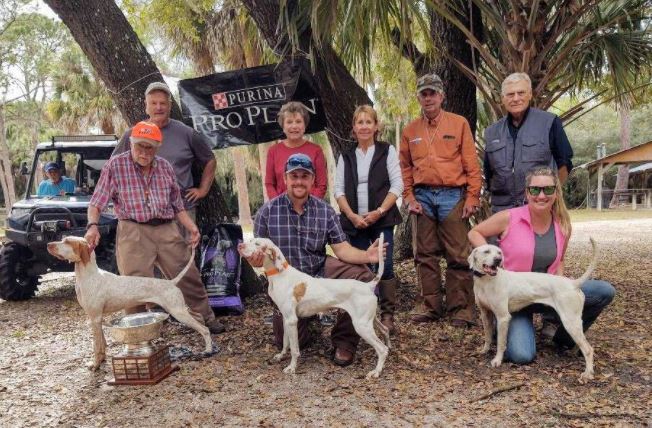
pixel 432 377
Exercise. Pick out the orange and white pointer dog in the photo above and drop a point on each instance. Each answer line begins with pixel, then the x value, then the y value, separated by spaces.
pixel 100 292
pixel 297 294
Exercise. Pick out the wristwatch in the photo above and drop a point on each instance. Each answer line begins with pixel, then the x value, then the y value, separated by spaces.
pixel 89 225
pixel 381 211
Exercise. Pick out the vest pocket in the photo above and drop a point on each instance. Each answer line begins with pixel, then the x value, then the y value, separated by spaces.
pixel 497 154
pixel 535 151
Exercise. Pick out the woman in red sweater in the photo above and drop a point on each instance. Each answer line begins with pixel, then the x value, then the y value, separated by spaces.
pixel 293 118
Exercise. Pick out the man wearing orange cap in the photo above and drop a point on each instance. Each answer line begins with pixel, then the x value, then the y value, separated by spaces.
pixel 147 201
pixel 183 146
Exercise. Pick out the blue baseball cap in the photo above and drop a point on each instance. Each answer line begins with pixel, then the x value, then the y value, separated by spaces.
pixel 299 161
pixel 50 166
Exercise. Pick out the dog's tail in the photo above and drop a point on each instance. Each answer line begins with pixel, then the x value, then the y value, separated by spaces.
pixel 177 278
pixel 381 262
pixel 589 271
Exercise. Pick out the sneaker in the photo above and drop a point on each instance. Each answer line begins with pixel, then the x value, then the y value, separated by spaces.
pixel 215 327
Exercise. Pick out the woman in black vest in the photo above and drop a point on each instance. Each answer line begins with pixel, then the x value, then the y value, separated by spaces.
pixel 367 184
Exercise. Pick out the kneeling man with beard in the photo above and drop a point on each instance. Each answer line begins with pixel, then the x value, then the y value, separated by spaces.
pixel 301 225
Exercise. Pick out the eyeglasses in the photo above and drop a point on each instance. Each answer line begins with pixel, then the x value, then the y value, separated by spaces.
pixel 535 190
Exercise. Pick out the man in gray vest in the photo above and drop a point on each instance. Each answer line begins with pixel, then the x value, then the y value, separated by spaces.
pixel 526 138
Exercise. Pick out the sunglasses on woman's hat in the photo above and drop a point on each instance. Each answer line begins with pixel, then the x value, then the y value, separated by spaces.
pixel 535 190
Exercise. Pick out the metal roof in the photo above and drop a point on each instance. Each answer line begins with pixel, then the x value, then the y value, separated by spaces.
pixel 641 168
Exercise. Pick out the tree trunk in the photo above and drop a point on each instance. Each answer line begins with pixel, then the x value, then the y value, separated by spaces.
pixel 403 239
pixel 622 179
pixel 340 93
pixel 452 43
pixel 331 165
pixel 240 172
pixel 6 171
pixel 126 68
pixel 263 149
pixel 114 50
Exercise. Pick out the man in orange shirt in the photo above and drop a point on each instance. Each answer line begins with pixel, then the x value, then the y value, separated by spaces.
pixel 442 179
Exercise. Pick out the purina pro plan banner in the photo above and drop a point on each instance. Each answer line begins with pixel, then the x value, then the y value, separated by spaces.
pixel 240 107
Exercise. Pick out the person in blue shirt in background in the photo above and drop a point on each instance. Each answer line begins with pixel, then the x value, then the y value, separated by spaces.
pixel 56 185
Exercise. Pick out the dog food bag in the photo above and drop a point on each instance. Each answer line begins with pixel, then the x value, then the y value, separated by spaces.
pixel 220 268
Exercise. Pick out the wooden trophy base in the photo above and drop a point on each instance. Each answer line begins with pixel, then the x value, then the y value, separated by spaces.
pixel 142 369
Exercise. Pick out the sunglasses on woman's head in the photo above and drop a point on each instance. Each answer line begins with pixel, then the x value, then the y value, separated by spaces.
pixel 535 190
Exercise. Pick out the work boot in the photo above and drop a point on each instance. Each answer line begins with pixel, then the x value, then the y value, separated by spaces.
pixel 343 357
pixel 388 321
pixel 387 296
pixel 215 327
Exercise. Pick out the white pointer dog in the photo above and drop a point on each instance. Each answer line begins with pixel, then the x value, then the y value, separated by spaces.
pixel 100 292
pixel 501 292
pixel 297 294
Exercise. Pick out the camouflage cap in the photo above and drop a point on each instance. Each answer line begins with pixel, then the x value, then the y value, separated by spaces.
pixel 430 81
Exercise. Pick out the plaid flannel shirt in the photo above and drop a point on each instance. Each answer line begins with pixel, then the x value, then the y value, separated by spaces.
pixel 122 181
pixel 301 238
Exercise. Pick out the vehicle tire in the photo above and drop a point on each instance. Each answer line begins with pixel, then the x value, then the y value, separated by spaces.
pixel 15 284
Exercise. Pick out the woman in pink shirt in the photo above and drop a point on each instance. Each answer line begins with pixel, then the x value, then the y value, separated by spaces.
pixel 293 118
pixel 534 238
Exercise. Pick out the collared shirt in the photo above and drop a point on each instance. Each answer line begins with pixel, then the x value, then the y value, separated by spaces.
pixel 136 197
pixel 48 188
pixel 302 238
pixel 560 146
pixel 440 153
pixel 182 146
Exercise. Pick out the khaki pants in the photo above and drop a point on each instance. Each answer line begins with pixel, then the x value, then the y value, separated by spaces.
pixel 141 246
pixel 343 334
pixel 432 240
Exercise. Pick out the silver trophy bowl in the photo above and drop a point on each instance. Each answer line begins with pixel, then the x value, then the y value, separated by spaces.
pixel 136 331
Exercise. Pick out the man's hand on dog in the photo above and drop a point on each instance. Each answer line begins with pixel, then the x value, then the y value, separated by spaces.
pixel 255 260
pixel 372 252
pixel 92 237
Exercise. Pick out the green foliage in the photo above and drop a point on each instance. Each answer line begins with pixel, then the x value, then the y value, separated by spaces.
pixel 80 101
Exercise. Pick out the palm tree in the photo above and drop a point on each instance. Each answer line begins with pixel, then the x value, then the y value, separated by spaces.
pixel 565 46
pixel 80 101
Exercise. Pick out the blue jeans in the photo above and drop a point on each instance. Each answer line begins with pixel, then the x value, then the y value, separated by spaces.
pixel 365 237
pixel 521 346
pixel 438 202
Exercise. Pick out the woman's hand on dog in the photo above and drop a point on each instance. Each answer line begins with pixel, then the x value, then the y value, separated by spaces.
pixel 372 252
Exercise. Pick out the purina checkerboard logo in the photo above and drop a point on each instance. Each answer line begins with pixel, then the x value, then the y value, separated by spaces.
pixel 219 101
pixel 243 97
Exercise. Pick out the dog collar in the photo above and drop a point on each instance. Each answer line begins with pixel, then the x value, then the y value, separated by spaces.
pixel 478 274
pixel 275 271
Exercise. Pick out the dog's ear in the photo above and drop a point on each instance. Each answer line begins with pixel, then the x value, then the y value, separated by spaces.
pixel 271 253
pixel 80 248
pixel 84 252
pixel 471 259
